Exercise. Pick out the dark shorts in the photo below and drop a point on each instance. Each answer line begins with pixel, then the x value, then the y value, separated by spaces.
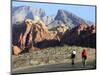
pixel 84 57
pixel 73 56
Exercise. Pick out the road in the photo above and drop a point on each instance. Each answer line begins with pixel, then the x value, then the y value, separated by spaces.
pixel 55 67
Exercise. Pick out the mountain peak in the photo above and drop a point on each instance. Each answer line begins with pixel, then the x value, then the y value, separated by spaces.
pixel 20 13
pixel 68 18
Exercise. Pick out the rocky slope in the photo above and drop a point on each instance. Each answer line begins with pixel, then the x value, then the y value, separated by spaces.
pixel 82 35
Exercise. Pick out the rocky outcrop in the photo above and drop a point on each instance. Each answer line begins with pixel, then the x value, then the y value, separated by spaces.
pixel 35 32
pixel 62 28
pixel 82 35
pixel 37 36
pixel 16 50
pixel 93 29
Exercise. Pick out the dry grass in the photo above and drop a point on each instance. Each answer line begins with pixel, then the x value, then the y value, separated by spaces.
pixel 52 55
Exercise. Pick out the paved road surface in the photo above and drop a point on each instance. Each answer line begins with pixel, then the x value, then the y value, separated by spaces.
pixel 55 67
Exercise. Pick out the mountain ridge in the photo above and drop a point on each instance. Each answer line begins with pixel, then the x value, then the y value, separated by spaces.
pixel 20 13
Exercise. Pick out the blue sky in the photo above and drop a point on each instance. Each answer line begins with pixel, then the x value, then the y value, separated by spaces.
pixel 85 12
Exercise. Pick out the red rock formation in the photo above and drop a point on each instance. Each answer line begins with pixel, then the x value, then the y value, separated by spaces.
pixel 28 31
pixel 38 35
pixel 82 27
pixel 93 29
pixel 16 50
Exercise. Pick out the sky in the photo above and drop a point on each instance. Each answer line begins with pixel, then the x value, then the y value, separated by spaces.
pixel 83 11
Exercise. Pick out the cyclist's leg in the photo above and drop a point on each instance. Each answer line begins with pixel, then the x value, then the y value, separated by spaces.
pixel 72 61
pixel 83 61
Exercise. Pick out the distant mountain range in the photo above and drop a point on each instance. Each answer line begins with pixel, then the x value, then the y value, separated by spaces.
pixel 19 14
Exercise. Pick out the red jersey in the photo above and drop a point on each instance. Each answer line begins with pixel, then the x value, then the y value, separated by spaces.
pixel 84 53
